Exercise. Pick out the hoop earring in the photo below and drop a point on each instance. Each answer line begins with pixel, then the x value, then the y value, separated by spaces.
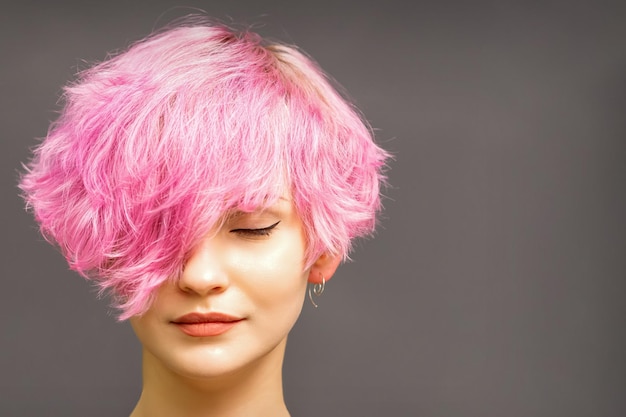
pixel 318 289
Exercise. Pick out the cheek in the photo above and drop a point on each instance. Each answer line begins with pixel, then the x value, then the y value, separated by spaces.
pixel 273 276
pixel 147 327
pixel 143 330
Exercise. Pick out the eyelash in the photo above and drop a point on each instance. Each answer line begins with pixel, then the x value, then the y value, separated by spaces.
pixel 264 231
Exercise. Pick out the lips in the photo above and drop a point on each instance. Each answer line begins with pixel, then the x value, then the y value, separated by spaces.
pixel 207 324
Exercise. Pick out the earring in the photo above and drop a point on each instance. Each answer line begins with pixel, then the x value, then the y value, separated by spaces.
pixel 318 289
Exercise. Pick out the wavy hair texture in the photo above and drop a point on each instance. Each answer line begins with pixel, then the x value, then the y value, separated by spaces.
pixel 155 144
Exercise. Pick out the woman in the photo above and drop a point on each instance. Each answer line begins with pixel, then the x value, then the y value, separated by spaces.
pixel 203 177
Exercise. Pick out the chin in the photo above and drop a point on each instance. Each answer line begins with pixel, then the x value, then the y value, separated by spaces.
pixel 205 362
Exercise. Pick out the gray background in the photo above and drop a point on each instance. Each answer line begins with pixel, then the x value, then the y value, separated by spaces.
pixel 495 285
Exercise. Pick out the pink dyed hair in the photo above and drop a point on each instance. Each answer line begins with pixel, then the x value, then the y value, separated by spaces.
pixel 155 144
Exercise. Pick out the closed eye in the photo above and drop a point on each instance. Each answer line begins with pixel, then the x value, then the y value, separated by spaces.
pixel 264 231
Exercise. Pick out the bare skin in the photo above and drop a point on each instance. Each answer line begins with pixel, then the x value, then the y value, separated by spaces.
pixel 252 392
pixel 251 269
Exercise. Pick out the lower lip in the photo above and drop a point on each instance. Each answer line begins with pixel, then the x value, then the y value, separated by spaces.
pixel 214 328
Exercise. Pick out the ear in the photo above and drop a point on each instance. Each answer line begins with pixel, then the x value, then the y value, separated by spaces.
pixel 324 268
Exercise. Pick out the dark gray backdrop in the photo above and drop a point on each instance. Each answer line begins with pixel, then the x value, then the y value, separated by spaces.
pixel 495 286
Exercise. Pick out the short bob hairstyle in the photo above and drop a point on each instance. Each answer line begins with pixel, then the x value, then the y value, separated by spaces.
pixel 156 144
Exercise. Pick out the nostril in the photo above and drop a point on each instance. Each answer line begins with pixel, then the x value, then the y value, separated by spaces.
pixel 203 271
pixel 202 279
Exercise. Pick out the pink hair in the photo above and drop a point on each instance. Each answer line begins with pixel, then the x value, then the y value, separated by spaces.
pixel 155 144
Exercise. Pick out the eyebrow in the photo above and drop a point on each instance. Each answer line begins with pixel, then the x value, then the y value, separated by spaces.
pixel 277 209
pixel 274 209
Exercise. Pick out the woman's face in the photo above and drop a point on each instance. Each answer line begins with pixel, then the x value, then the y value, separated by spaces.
pixel 240 293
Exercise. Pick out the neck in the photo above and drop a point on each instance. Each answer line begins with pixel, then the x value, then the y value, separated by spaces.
pixel 253 391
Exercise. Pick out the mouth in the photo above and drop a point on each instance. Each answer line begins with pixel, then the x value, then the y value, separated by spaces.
pixel 206 324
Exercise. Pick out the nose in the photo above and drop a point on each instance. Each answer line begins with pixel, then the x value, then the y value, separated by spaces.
pixel 203 272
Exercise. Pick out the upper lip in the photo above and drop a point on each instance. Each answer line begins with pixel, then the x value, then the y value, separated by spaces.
pixel 192 318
